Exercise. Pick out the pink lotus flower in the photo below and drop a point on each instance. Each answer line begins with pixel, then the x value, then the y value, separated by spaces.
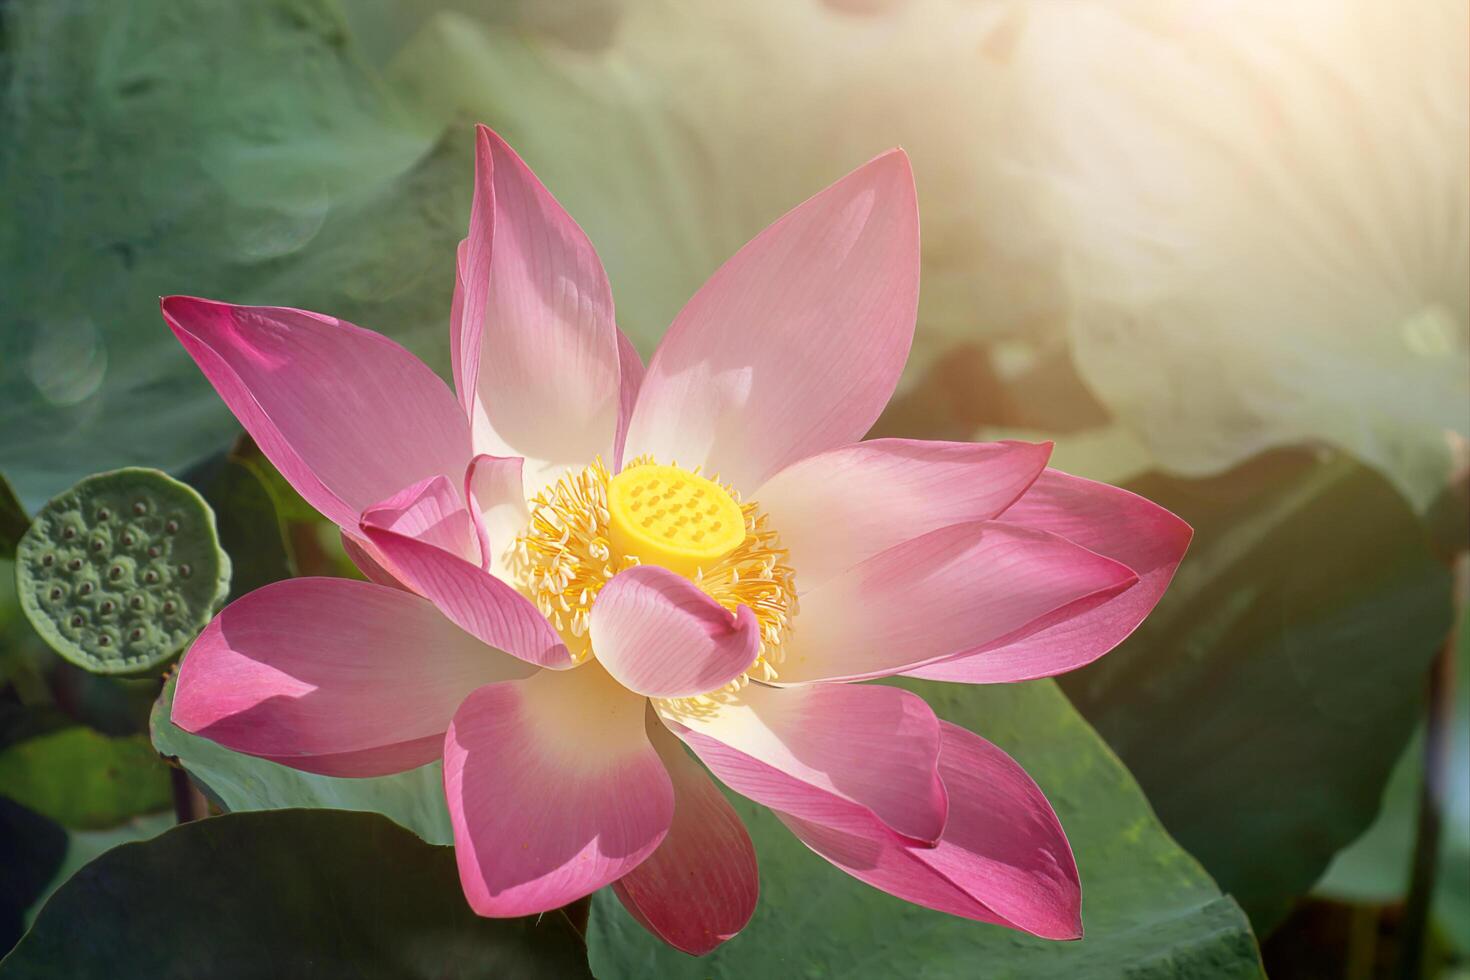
pixel 571 584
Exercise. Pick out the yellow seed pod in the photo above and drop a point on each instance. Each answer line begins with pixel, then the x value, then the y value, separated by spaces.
pixel 667 516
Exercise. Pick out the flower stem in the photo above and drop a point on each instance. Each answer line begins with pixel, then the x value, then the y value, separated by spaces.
pixel 189 803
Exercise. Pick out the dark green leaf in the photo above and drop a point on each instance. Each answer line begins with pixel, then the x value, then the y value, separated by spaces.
pixel 85 780
pixel 31 851
pixel 1148 908
pixel 237 151
pixel 13 519
pixel 1374 869
pixel 78 847
pixel 293 894
pixel 250 529
pixel 1264 702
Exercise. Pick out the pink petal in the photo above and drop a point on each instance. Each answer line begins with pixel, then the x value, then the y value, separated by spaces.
pixel 794 345
pixel 1104 519
pixel 492 485
pixel 658 634
pixel 346 415
pixel 463 386
pixel 431 511
pixel 952 590
pixel 832 753
pixel 473 599
pixel 840 507
pixel 553 790
pixel 700 887
pixel 332 676
pixel 630 365
pixel 536 330
pixel 1003 857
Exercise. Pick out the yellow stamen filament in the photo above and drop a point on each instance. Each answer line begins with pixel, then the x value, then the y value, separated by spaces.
pixel 578 539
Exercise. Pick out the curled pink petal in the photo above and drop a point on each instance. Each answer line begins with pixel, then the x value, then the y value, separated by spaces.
pixel 473 599
pixel 837 508
pixel 431 511
pixel 535 326
pixel 332 676
pixel 830 753
pixel 553 790
pixel 1003 859
pixel 1113 522
pixel 497 499
pixel 700 887
pixel 346 415
pixel 795 344
pixel 952 590
pixel 658 634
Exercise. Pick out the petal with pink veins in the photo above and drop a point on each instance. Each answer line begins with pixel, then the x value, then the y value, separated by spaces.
pixel 833 753
pixel 431 511
pixel 535 330
pixel 658 634
pixel 840 507
pixel 333 676
pixel 1003 859
pixel 345 414
pixel 700 887
pixel 473 599
pixel 492 485
pixel 553 790
pixel 795 344
pixel 951 590
pixel 1103 519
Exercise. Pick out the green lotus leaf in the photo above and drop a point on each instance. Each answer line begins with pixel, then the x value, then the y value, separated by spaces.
pixel 1264 702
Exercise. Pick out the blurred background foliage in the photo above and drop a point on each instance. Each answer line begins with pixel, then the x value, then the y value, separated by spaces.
pixel 1217 252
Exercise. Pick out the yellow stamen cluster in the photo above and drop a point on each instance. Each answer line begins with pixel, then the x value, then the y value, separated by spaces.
pixel 567 553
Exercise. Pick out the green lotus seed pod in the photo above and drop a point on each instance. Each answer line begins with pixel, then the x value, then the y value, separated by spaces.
pixel 120 572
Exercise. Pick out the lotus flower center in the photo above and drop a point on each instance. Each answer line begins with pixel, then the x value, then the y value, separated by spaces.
pixel 667 516
pixel 590 525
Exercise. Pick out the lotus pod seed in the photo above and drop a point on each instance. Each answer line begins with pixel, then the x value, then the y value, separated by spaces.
pixel 107 623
